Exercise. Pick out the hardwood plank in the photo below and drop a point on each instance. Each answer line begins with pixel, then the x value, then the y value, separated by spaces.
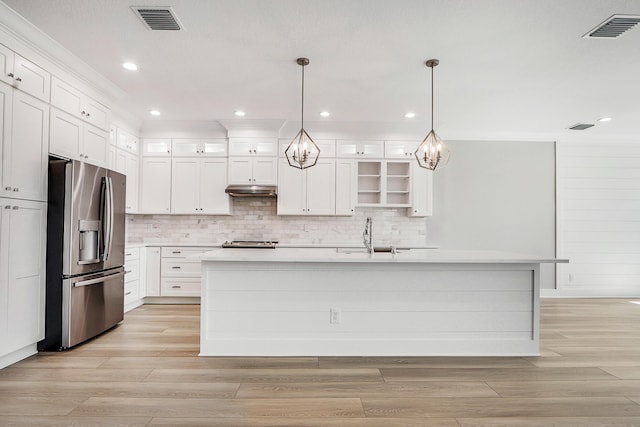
pixel 567 388
pixel 119 389
pixel 72 375
pixel 424 362
pixel 551 422
pixel 37 405
pixel 501 407
pixel 264 375
pixel 211 362
pixel 219 408
pixel 307 422
pixel 493 374
pixel 367 389
pixel 55 361
pixel 588 360
pixel 624 373
pixel 61 421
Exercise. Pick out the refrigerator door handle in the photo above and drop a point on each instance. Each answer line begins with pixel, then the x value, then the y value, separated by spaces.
pixel 108 218
pixel 98 280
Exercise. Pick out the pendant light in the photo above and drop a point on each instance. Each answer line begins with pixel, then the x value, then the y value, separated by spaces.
pixel 302 152
pixel 432 153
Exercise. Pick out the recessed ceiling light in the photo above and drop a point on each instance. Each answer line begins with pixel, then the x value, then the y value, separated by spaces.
pixel 325 113
pixel 604 119
pixel 130 66
pixel 409 115
pixel 239 113
pixel 154 112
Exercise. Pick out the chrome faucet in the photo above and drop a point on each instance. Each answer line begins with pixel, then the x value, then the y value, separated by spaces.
pixel 367 235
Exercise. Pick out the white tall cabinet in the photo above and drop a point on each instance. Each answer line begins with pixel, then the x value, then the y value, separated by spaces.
pixel 155 185
pixel 308 191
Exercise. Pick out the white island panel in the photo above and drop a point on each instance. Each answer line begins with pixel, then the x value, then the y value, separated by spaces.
pixel 263 303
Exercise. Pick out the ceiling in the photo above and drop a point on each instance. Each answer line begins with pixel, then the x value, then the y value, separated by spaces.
pixel 508 68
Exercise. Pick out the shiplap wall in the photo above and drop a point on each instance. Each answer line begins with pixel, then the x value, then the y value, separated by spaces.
pixel 598 218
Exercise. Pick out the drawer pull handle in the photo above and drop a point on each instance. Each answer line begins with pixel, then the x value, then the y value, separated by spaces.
pixel 176 287
pixel 176 252
pixel 127 271
pixel 176 267
pixel 128 293
pixel 129 254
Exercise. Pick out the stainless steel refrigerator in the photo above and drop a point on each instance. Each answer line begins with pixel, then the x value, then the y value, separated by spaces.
pixel 85 252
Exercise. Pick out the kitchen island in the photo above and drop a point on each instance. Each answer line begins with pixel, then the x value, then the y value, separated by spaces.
pixel 328 302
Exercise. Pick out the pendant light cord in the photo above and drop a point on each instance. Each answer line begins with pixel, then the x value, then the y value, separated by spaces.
pixel 431 98
pixel 302 103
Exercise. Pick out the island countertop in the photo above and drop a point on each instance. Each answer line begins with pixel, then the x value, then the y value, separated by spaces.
pixel 359 255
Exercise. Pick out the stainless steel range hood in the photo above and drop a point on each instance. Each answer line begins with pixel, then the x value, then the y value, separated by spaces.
pixel 252 190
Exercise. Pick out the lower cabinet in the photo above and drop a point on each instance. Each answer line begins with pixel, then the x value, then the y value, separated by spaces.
pixel 179 274
pixel 132 290
pixel 22 277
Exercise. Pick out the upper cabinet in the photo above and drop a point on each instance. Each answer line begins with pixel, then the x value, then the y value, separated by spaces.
pixel 24 74
pixel 359 149
pixel 73 101
pixel 199 147
pixel 253 147
pixel 156 147
pixel 400 149
pixel 72 138
pixel 327 147
pixel 127 141
pixel 421 191
pixel 155 186
pixel 24 137
pixel 308 191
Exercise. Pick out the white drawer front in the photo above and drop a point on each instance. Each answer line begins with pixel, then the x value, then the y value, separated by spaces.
pixel 131 253
pixel 132 270
pixel 131 291
pixel 179 252
pixel 174 287
pixel 180 267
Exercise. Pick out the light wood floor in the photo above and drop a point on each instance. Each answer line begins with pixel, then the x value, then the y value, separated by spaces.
pixel 146 373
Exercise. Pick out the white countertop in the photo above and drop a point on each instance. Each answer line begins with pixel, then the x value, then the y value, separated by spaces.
pixel 433 256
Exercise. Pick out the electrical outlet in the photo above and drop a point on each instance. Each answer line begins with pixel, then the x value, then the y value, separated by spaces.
pixel 336 316
pixel 571 277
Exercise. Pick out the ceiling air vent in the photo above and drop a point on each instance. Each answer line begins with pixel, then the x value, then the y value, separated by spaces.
pixel 158 18
pixel 613 27
pixel 581 126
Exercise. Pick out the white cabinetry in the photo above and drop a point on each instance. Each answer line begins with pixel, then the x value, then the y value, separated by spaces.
pixel 308 191
pixel 24 75
pixel 421 192
pixel 197 186
pixel 132 264
pixel 253 170
pixel 199 147
pixel 359 149
pixel 127 141
pixel 384 183
pixel 346 186
pixel 71 100
pixel 152 275
pixel 400 149
pixel 253 147
pixel 156 147
pixel 180 275
pixel 129 165
pixel 72 138
pixel 24 145
pixel 22 276
pixel 155 185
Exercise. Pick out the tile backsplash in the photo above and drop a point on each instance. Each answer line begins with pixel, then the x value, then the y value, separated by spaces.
pixel 256 219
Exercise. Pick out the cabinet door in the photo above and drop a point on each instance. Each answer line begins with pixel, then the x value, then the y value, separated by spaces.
pixel 347 148
pixel 6 109
pixel 132 169
pixel 29 147
pixel 5 214
pixel 265 147
pixel 373 149
pixel 185 185
pixel 156 147
pixel 213 147
pixel 265 170
pixel 421 192
pixel 400 149
pixel 94 145
pixel 121 162
pixel 213 181
pixel 185 147
pixel 65 138
pixel 241 148
pixel 66 97
pixel 6 64
pixel 321 189
pixel 31 79
pixel 240 170
pixel 95 113
pixel 292 194
pixel 111 157
pixel 27 246
pixel 346 187
pixel 155 186
pixel 152 277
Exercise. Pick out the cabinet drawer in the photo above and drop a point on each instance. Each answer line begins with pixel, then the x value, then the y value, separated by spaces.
pixel 174 287
pixel 182 252
pixel 178 267
pixel 131 291
pixel 131 254
pixel 132 270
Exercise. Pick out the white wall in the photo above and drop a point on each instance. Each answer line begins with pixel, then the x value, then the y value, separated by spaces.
pixel 497 196
pixel 599 218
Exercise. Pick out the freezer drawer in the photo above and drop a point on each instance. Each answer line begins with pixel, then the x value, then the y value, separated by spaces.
pixel 91 304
